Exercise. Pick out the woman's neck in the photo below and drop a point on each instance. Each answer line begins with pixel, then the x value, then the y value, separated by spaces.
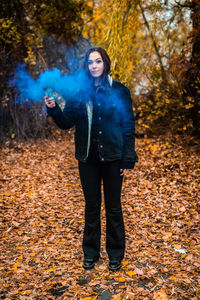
pixel 97 81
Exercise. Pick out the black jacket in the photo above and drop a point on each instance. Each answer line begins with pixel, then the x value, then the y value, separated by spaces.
pixel 116 126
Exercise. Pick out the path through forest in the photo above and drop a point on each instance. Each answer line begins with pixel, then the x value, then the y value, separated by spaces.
pixel 42 218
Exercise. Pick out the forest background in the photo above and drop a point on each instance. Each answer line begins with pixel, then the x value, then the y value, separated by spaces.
pixel 154 47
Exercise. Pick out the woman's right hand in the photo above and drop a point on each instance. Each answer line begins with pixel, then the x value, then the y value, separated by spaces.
pixel 49 101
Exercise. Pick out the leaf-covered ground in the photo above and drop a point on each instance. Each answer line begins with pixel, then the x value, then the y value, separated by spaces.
pixel 42 218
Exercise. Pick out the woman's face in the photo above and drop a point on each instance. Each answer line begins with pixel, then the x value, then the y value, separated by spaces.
pixel 95 64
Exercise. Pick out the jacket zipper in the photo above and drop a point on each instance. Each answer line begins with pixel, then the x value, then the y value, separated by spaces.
pixel 89 108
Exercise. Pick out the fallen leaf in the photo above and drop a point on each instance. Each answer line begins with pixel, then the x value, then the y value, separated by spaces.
pixel 27 292
pixel 16 224
pixel 16 266
pixel 189 257
pixel 182 209
pixel 132 273
pixel 125 263
pixel 160 295
pixel 167 235
pixel 139 271
pixel 121 279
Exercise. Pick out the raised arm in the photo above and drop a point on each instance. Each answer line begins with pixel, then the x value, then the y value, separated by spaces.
pixel 64 119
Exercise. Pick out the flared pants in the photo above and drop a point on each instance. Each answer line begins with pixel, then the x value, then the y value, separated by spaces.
pixel 92 175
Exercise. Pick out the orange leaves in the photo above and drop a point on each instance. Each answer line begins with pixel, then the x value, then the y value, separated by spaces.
pixel 51 270
pixel 160 295
pixel 121 279
pixel 20 232
pixel 132 273
pixel 16 266
pixel 89 298
pixel 7 194
pixel 167 235
pixel 90 3
pixel 27 292
pixel 125 262
pixel 41 251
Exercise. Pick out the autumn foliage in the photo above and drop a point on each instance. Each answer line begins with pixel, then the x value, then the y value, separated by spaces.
pixel 42 219
pixel 153 45
pixel 155 50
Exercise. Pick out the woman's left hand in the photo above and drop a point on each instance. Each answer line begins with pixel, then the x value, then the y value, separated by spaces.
pixel 122 172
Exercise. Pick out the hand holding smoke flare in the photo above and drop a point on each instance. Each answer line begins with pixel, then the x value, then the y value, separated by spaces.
pixel 49 98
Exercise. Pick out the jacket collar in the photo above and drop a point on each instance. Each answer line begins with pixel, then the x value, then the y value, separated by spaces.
pixel 110 80
pixel 102 88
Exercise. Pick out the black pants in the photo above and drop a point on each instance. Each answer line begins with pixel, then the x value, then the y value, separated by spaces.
pixel 91 174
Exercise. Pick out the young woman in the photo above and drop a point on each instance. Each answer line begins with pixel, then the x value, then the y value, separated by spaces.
pixel 105 146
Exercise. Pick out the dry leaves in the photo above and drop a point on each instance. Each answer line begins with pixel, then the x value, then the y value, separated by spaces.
pixel 42 219
pixel 160 295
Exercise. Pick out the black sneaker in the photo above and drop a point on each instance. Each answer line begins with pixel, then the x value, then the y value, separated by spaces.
pixel 89 263
pixel 115 265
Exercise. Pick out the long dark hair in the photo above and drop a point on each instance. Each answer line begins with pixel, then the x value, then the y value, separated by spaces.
pixel 106 61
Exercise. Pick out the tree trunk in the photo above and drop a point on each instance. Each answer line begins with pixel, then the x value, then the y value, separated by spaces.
pixel 192 84
pixel 163 73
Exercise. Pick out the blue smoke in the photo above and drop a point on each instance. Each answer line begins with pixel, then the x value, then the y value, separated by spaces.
pixel 77 87
pixel 48 82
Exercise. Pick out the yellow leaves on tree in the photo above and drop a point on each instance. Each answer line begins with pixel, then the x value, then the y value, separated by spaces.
pixel 116 33
pixel 9 33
